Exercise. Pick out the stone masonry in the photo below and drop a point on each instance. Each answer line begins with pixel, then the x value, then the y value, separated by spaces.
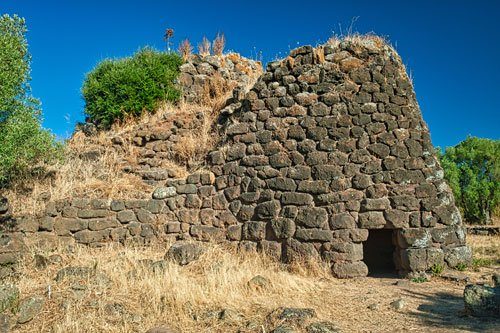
pixel 328 145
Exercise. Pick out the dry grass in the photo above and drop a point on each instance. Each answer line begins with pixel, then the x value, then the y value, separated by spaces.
pixel 485 247
pixel 185 49
pixel 218 44
pixel 185 298
pixel 204 47
pixel 92 171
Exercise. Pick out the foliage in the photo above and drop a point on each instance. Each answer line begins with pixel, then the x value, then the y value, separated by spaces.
pixel 437 269
pixel 481 262
pixel 24 144
pixel 472 168
pixel 419 279
pixel 126 87
pixel 461 267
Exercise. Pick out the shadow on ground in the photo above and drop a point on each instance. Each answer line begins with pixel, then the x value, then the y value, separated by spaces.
pixel 445 310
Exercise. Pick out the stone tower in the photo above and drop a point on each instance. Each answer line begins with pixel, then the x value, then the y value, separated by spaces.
pixel 330 151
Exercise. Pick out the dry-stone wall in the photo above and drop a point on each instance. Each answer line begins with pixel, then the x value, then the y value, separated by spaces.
pixel 328 146
pixel 202 77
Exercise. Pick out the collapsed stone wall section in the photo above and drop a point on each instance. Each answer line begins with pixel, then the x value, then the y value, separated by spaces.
pixel 202 76
pixel 328 145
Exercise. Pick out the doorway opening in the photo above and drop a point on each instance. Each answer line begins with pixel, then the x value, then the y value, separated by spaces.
pixel 378 253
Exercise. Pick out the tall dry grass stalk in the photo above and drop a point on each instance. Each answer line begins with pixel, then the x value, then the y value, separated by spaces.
pixel 218 44
pixel 185 49
pixel 204 47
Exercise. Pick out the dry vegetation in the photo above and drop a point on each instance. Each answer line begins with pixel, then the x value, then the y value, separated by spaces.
pixel 190 298
pixel 94 168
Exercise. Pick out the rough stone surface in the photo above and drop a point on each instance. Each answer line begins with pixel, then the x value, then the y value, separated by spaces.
pixel 30 308
pixel 482 301
pixel 184 253
pixel 322 149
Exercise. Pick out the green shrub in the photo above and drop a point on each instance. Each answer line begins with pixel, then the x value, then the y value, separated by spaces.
pixel 120 88
pixel 24 144
pixel 461 267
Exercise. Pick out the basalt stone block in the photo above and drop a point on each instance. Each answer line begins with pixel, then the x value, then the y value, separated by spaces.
pixel 414 260
pixel 28 224
pixel 281 184
pixel 126 216
pixel 294 250
pixel 314 186
pixel 161 193
pixel 189 216
pixel 92 213
pixel 446 236
pixel 268 209
pixel 89 237
pixel 219 202
pixel 270 248
pixel 46 223
pixel 187 189
pixel 376 204
pixel 294 198
pixel 397 219
pixel 148 232
pixel 172 227
pixel 145 217
pixel 346 269
pixel 192 201
pixel 234 232
pixel 371 220
pixel 310 235
pixel 313 217
pixel 207 233
pixel 117 205
pixel 254 231
pixel 326 172
pixel 455 256
pixel 300 172
pixel 283 228
pixel 155 206
pixel 414 237
pixel 103 223
pixel 65 226
pixel 280 160
pixel 342 221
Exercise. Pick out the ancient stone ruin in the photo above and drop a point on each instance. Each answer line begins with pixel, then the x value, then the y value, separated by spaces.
pixel 326 157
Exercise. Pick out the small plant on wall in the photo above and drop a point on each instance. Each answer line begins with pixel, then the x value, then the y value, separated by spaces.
pixel 185 49
pixel 204 47
pixel 218 44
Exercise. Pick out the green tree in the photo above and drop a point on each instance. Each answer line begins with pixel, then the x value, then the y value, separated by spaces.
pixel 24 144
pixel 472 169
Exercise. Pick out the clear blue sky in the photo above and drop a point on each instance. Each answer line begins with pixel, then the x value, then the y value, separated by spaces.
pixel 451 48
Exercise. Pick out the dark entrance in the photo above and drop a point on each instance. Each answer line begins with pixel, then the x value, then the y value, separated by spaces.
pixel 378 252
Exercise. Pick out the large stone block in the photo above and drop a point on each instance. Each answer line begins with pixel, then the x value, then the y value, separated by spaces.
pixel 371 220
pixel 346 269
pixel 312 217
